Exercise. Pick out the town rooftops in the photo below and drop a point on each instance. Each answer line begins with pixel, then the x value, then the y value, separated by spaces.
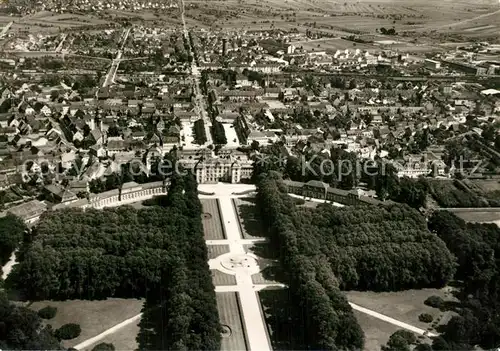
pixel 116 145
pixel 247 93
pixel 28 210
pixel 63 194
pixel 490 92
pixel 255 134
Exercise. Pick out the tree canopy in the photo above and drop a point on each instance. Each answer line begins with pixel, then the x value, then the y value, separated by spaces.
pixel 477 249
pixel 157 252
pixel 22 329
pixel 327 321
pixel 11 233
pixel 327 249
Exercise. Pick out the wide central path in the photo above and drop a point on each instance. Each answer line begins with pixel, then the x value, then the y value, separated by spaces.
pixel 242 266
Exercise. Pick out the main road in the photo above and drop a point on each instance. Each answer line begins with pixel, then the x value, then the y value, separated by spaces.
pixel 199 101
pixel 110 76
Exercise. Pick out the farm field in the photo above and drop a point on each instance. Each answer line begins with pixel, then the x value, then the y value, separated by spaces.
pixel 332 45
pixel 487 185
pixel 167 18
pixel 94 317
pixel 466 18
pixel 404 306
pixel 6 19
pixel 46 21
pixel 480 217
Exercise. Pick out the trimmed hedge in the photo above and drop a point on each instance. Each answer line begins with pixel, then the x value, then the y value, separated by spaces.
pixel 47 312
pixel 434 301
pixel 104 347
pixel 68 331
pixel 425 317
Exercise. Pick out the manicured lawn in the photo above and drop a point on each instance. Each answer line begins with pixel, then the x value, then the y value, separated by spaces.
pixel 212 223
pixel 229 313
pixel 94 317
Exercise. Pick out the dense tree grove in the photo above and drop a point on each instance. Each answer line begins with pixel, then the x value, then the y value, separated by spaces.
pixel 48 312
pixel 477 248
pixel 68 331
pixel 199 133
pixel 97 253
pixel 379 248
pixel 324 249
pixel 182 314
pixel 375 248
pixel 388 185
pixel 400 341
pixel 22 329
pixel 157 252
pixel 328 322
pixel 11 233
pixel 218 133
pixel 456 194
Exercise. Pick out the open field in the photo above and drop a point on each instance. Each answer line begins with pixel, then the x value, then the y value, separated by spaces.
pixel 377 332
pixel 251 226
pixel 467 18
pixel 46 21
pixel 165 18
pixel 480 217
pixel 123 339
pixel 232 137
pixel 187 135
pixel 94 317
pixel 229 313
pixel 487 185
pixel 211 219
pixel 332 45
pixel 404 306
